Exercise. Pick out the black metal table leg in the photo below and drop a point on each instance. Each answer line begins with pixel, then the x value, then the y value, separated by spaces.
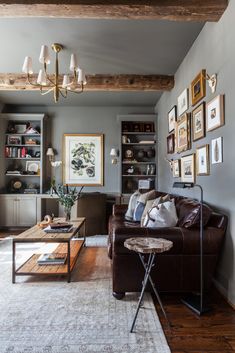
pixel 154 289
pixel 13 261
pixel 69 271
pixel 146 277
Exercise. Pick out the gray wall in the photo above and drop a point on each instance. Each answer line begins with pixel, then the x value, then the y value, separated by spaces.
pixel 86 120
pixel 214 50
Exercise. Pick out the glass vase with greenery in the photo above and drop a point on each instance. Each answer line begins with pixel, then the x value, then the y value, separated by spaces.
pixel 67 198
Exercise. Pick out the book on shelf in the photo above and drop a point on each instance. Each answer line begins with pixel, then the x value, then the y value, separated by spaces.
pixel 52 259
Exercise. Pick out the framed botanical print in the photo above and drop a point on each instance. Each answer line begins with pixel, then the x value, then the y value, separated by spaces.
pixel 217 150
pixel 188 169
pixel 202 160
pixel 83 159
pixel 198 87
pixel 172 117
pixel 182 102
pixel 176 168
pixel 182 132
pixel 215 113
pixel 198 122
pixel 171 143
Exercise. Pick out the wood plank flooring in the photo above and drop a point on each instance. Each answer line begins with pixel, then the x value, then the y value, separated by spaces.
pixel 212 333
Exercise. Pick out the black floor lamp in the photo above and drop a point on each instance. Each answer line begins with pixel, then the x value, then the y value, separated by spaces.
pixel 194 301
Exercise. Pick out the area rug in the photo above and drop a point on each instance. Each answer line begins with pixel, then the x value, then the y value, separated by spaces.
pixel 52 316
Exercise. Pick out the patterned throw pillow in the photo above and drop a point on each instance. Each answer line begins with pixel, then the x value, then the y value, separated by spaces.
pixel 148 206
pixel 140 204
pixel 162 215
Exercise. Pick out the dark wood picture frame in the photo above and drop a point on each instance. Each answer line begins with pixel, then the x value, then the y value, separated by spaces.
pixel 171 144
pixel 172 118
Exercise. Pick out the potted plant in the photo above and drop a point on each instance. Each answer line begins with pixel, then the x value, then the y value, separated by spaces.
pixel 67 198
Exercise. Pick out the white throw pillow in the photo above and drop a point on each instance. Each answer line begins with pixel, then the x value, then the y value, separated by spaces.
pixel 148 206
pixel 162 215
pixel 131 206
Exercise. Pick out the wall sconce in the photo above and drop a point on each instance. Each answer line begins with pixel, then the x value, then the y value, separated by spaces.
pixel 212 82
pixel 50 154
pixel 114 155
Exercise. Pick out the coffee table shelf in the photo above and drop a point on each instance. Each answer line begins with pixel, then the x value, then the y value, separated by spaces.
pixel 66 244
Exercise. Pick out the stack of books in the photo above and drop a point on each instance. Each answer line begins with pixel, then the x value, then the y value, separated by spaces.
pixel 59 228
pixel 52 259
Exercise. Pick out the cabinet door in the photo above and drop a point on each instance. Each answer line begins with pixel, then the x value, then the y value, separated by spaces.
pixel 26 211
pixel 8 207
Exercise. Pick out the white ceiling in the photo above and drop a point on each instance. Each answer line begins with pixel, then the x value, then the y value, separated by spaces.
pixel 103 46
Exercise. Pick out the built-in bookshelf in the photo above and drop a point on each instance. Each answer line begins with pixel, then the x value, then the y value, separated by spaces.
pixel 138 155
pixel 22 153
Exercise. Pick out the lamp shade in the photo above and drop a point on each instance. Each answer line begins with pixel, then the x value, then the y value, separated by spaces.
pixel 27 65
pixel 44 55
pixel 66 81
pixel 73 63
pixel 81 77
pixel 113 152
pixel 41 80
pixel 50 151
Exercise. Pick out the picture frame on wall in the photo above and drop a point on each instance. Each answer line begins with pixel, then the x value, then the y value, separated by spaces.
pixel 83 159
pixel 188 168
pixel 217 150
pixel 202 160
pixel 215 113
pixel 198 122
pixel 176 168
pixel 182 132
pixel 171 143
pixel 172 117
pixel 182 102
pixel 198 87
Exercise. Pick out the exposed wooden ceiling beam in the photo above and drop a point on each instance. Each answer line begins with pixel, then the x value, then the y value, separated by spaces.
pixel 15 82
pixel 174 10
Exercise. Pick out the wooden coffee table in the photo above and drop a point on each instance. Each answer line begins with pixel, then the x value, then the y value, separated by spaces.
pixel 66 245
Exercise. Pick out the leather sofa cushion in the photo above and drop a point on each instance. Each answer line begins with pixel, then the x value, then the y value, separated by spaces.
pixel 189 213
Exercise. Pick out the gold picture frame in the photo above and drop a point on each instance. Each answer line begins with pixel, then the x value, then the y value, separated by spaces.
pixel 83 159
pixel 188 168
pixel 198 122
pixel 203 160
pixel 198 87
pixel 182 133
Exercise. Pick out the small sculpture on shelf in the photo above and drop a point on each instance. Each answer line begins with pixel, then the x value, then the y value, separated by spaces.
pixel 130 170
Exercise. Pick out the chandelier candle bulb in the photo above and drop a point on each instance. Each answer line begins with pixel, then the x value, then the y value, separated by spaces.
pixel 41 80
pixel 81 77
pixel 66 81
pixel 44 57
pixel 73 63
pixel 27 65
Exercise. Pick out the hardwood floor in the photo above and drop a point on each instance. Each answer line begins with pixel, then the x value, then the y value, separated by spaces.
pixel 212 332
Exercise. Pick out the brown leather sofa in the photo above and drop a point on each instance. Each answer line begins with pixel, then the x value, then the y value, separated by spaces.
pixel 177 270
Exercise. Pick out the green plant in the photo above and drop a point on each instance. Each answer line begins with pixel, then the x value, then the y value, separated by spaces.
pixel 67 196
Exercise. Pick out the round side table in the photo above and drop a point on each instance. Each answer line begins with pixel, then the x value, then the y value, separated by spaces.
pixel 150 246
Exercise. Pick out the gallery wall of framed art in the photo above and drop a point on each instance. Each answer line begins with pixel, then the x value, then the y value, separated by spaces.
pixel 192 120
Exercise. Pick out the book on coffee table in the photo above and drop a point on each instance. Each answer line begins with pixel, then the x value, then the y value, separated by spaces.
pixel 52 259
pixel 59 229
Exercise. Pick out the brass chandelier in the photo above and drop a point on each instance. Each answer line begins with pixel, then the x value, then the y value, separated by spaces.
pixel 74 84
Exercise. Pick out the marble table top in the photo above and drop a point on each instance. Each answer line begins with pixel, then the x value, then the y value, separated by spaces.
pixel 148 245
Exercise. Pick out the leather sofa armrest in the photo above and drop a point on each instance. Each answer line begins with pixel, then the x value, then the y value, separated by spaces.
pixel 218 220
pixel 119 210
pixel 121 234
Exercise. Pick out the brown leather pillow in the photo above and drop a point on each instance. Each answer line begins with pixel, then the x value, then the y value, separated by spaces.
pixel 189 213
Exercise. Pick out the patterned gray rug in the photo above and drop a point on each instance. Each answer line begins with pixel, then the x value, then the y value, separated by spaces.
pixel 52 316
